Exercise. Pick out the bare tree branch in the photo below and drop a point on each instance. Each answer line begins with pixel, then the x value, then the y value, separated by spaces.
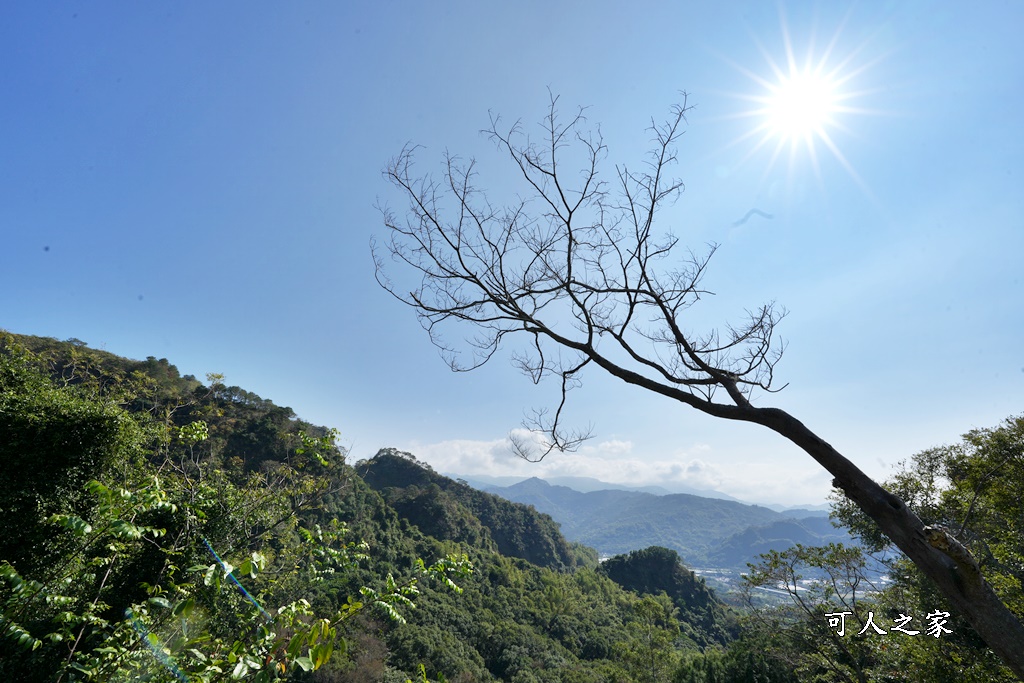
pixel 579 270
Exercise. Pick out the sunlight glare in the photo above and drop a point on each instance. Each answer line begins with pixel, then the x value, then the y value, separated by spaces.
pixel 804 102
pixel 801 106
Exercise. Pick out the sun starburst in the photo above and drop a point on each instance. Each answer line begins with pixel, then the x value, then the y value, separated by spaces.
pixel 801 107
pixel 804 104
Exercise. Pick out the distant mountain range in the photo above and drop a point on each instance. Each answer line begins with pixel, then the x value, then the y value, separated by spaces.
pixel 589 484
pixel 706 532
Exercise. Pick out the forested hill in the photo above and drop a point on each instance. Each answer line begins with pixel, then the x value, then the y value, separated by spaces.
pixel 135 504
pixel 140 497
pixel 451 510
pixel 657 570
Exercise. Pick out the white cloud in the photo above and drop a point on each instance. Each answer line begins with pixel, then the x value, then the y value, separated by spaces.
pixel 469 456
pixel 615 461
pixel 698 474
pixel 764 480
pixel 613 448
pixel 768 482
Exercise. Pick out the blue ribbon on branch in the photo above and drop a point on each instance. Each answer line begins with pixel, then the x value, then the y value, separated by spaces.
pixel 162 656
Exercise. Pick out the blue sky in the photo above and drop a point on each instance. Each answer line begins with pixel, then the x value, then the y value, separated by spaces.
pixel 197 181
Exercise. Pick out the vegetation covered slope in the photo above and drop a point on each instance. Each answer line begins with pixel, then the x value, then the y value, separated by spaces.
pixel 163 529
pixel 451 510
pixel 656 570
pixel 144 500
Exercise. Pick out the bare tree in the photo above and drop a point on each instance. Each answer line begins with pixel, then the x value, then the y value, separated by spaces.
pixel 577 269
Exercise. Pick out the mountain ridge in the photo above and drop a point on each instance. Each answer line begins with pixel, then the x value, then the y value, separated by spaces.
pixel 587 485
pixel 704 531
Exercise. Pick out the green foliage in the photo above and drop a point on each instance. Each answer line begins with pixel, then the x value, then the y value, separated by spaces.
pixel 293 637
pixel 656 570
pixel 746 659
pixel 208 535
pixel 650 656
pixel 111 583
pixel 817 581
pixel 798 634
pixel 450 510
pixel 423 677
pixel 395 595
pixel 971 489
pixel 54 440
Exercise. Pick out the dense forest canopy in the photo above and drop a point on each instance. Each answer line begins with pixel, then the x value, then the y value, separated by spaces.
pixel 168 529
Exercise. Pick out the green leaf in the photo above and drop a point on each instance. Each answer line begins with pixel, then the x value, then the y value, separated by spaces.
pixel 75 524
pixel 322 653
pixel 295 645
pixel 304 663
pixel 19 634
pixel 391 612
pixel 123 529
pixel 161 602
pixel 211 575
pixel 259 560
pixel 184 608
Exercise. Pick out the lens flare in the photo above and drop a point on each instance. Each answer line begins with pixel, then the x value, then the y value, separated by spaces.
pixel 804 102
pixel 801 106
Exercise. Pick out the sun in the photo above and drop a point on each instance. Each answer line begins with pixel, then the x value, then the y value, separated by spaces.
pixel 801 107
pixel 804 105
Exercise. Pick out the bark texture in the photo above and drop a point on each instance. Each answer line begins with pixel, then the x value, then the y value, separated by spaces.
pixel 942 559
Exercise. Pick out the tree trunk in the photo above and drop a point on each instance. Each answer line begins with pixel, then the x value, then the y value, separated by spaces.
pixel 939 556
